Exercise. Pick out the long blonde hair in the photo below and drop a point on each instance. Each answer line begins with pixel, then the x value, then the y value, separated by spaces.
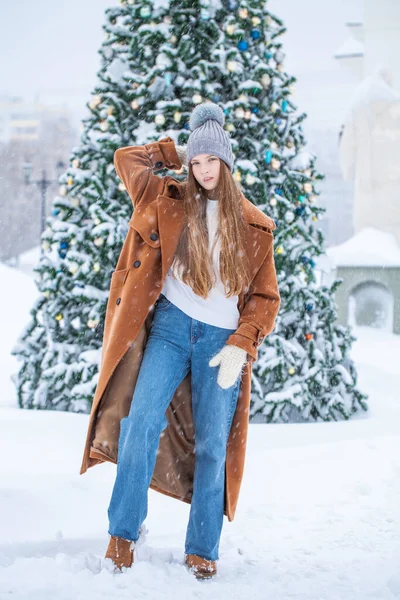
pixel 192 257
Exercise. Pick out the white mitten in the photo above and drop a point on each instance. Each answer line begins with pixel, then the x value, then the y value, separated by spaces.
pixel 181 152
pixel 232 359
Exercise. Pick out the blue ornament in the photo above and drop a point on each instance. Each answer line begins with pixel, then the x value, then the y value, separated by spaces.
pixel 299 210
pixel 62 253
pixel 278 120
pixel 55 212
pixel 64 244
pixel 304 259
pixel 276 222
pixel 284 105
pixel 186 125
pixel 243 45
pixel 312 262
pixel 168 78
pixel 215 98
pixel 232 4
pixel 302 198
pixel 268 156
pixel 309 306
pixel 226 111
pixel 255 109
pixel 278 191
pixel 255 34
pixel 268 54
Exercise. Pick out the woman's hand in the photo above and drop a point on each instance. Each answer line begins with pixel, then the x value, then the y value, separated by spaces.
pixel 231 358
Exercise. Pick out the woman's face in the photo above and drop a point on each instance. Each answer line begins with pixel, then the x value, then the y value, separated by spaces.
pixel 206 169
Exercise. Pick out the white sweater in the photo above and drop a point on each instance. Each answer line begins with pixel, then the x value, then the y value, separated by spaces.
pixel 217 309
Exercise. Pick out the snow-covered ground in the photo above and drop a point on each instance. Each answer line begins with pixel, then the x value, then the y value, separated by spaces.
pixel 318 515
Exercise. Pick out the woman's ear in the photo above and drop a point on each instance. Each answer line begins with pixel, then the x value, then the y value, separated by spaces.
pixel 181 152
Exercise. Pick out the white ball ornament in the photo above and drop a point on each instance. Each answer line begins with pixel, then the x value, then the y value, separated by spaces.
pixel 243 98
pixel 243 13
pixel 273 202
pixel 160 119
pixel 92 323
pixel 97 221
pixel 73 267
pixel 75 163
pixel 247 115
pixel 197 98
pixel 274 107
pixel 73 241
pixel 231 65
pixel 95 101
pixel 266 80
pixel 307 187
pixel 255 21
pixel 289 216
pixel 96 267
pixel 250 179
pixel 230 127
pixel 99 241
pixel 177 116
pixel 121 187
pixel 135 104
pixel 239 112
pixel 230 29
pixel 45 245
pixel 104 125
pixel 75 202
pixel 274 145
pixel 62 190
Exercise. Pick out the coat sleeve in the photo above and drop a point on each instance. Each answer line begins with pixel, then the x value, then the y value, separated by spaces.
pixel 135 165
pixel 258 316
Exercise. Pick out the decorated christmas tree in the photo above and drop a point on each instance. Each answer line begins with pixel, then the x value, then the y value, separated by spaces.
pixel 157 64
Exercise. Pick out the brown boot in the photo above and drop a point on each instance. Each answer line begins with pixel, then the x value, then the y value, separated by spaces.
pixel 201 567
pixel 120 552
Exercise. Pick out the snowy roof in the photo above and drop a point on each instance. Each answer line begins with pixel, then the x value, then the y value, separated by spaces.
pixel 368 248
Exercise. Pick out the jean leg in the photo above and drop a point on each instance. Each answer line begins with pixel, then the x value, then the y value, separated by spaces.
pixel 163 367
pixel 213 409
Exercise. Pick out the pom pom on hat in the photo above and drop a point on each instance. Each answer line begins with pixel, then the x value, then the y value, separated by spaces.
pixel 204 112
pixel 207 133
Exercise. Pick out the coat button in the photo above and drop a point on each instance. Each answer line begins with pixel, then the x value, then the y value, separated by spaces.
pixel 158 164
pixel 136 263
pixel 153 236
pixel 118 300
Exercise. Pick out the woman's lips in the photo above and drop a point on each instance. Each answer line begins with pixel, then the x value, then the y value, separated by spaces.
pixel 209 178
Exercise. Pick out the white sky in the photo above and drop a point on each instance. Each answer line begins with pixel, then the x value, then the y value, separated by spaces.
pixel 50 51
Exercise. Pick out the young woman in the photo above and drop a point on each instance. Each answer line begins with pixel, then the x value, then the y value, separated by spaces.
pixel 201 325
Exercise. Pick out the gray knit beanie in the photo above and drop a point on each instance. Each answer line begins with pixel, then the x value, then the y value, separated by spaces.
pixel 208 136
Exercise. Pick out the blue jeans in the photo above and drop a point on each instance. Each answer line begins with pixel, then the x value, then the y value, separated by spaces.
pixel 176 343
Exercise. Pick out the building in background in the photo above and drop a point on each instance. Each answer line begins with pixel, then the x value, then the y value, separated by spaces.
pixel 42 135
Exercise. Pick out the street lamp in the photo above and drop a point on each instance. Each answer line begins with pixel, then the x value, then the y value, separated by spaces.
pixel 43 184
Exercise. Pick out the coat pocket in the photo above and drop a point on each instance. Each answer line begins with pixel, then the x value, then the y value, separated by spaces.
pixel 118 278
pixel 145 223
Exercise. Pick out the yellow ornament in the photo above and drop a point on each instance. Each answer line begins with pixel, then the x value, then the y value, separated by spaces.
pixel 291 371
pixel 103 125
pixel 274 107
pixel 99 241
pixel 314 218
pixel 243 98
pixel 110 110
pixel 95 101
pixel 230 29
pixel 243 13
pixel 237 176
pixel 46 294
pixel 70 181
pixel 307 187
pixel 75 163
pixel 73 241
pixel 177 116
pixel 45 245
pixel 73 267
pixel 59 317
pixel 231 65
pixel 230 127
pixel 173 39
pixel 96 267
pixel 135 104
pixel 279 250
pixel 255 20
pixel 275 163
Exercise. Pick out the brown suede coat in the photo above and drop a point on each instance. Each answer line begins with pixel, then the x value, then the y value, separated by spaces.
pixel 145 258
